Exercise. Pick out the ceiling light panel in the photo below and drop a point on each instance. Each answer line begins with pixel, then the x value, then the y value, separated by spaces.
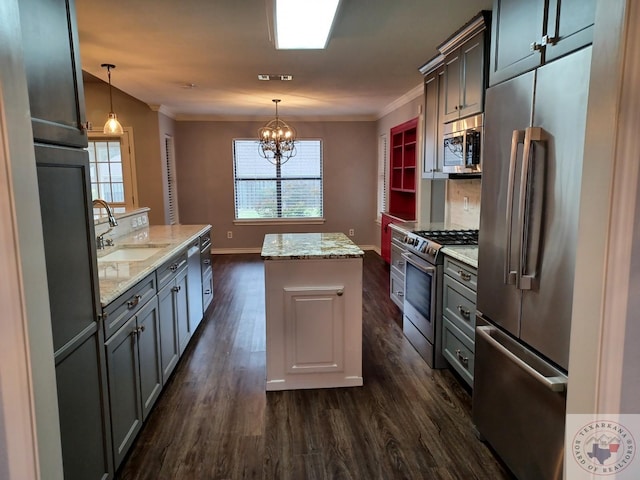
pixel 304 24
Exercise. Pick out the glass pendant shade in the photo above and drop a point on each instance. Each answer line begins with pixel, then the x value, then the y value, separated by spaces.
pixel 113 127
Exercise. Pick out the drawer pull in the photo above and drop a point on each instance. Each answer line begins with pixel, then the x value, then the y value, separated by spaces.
pixel 461 358
pixel 400 294
pixel 340 293
pixel 207 292
pixel 132 303
pixel 176 289
pixel 464 311
pixel 173 267
pixel 207 262
pixel 139 330
pixel 464 275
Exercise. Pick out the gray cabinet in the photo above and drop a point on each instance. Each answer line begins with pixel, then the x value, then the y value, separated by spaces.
pixel 458 317
pixel 464 80
pixel 135 377
pixel 54 74
pixel 432 121
pixel 527 34
pixel 206 268
pixel 67 223
pixel 173 312
pixel 397 266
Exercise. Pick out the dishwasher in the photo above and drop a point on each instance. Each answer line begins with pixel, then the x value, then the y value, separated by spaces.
pixel 194 285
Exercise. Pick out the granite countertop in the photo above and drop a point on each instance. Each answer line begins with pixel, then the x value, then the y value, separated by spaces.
pixel 116 277
pixel 294 246
pixel 465 253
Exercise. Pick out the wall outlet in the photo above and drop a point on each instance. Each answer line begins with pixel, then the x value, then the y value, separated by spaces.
pixel 352 232
pixel 466 204
pixel 229 234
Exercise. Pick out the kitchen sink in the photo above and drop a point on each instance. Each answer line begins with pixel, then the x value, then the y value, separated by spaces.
pixel 130 254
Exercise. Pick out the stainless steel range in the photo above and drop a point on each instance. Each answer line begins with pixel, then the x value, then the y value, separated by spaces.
pixel 422 316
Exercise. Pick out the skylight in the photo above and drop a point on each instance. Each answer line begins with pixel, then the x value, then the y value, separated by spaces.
pixel 304 24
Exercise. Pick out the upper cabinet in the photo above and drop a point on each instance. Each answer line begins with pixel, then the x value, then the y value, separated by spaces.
pixel 464 80
pixel 54 74
pixel 454 86
pixel 527 34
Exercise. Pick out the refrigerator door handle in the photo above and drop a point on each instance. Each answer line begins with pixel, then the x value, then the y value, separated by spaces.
pixel 516 138
pixel 524 280
pixel 556 382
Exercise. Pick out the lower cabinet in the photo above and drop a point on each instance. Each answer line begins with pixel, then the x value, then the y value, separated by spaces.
pixel 135 377
pixel 458 317
pixel 174 322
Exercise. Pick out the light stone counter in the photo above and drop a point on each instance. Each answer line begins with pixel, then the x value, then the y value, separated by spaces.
pixel 298 246
pixel 116 277
pixel 466 254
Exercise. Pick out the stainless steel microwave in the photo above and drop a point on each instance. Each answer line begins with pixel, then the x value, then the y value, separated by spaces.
pixel 462 146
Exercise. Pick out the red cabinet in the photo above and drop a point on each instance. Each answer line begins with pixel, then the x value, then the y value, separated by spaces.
pixel 402 175
pixel 385 239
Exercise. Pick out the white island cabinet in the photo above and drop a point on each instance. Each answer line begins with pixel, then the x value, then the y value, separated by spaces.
pixel 313 288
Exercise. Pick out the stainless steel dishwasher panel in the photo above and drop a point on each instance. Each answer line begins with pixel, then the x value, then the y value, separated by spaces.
pixel 194 285
pixel 519 404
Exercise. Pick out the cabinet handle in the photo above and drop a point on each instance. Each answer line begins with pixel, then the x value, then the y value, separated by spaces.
pixel 456 107
pixel 464 311
pixel 400 294
pixel 173 267
pixel 461 358
pixel 176 288
pixel 535 46
pixel 207 291
pixel 400 263
pixel 207 262
pixel 340 293
pixel 134 302
pixel 464 275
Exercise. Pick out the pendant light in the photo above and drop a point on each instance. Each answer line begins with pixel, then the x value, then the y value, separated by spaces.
pixel 277 140
pixel 112 127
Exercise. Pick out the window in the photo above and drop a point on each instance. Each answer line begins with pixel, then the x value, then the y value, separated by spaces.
pixel 170 166
pixel 382 176
pixel 112 171
pixel 266 191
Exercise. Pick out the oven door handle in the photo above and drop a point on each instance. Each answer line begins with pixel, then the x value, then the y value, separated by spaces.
pixel 419 265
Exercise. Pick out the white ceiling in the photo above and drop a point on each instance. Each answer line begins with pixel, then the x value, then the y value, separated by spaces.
pixel 221 46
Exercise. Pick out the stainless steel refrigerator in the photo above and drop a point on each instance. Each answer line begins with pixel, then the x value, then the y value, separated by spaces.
pixel 533 149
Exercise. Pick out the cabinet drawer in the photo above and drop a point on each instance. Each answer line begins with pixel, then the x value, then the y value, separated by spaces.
pixel 207 289
pixel 458 350
pixel 459 305
pixel 169 269
pixel 127 304
pixel 465 274
pixel 205 242
pixel 396 290
pixel 397 261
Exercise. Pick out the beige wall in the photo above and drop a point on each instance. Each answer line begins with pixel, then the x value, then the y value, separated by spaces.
pixel 455 211
pixel 146 136
pixel 204 159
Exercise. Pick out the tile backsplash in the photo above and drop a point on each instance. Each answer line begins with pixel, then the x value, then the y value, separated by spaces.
pixel 128 222
pixel 462 205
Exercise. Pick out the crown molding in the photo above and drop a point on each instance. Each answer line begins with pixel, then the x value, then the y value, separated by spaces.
pixel 164 110
pixel 403 100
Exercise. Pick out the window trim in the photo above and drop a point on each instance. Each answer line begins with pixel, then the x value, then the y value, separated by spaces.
pixel 279 220
pixel 126 148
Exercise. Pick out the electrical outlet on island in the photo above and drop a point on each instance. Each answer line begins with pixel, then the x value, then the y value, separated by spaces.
pixel 352 232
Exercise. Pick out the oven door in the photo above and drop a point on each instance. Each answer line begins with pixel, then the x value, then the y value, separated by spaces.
pixel 420 294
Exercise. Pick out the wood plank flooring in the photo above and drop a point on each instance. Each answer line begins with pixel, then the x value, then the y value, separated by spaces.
pixel 214 419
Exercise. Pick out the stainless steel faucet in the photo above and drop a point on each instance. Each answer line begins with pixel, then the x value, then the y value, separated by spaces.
pixel 112 222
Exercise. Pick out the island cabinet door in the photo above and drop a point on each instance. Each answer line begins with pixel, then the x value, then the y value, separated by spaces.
pixel 314 329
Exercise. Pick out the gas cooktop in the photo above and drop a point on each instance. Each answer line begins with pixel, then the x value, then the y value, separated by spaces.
pixel 450 237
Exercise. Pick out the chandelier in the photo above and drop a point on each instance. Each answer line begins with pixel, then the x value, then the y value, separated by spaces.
pixel 277 140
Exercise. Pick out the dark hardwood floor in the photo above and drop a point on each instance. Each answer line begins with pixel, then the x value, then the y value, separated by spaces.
pixel 214 419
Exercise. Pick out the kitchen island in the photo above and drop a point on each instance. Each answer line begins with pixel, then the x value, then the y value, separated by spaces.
pixel 313 296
